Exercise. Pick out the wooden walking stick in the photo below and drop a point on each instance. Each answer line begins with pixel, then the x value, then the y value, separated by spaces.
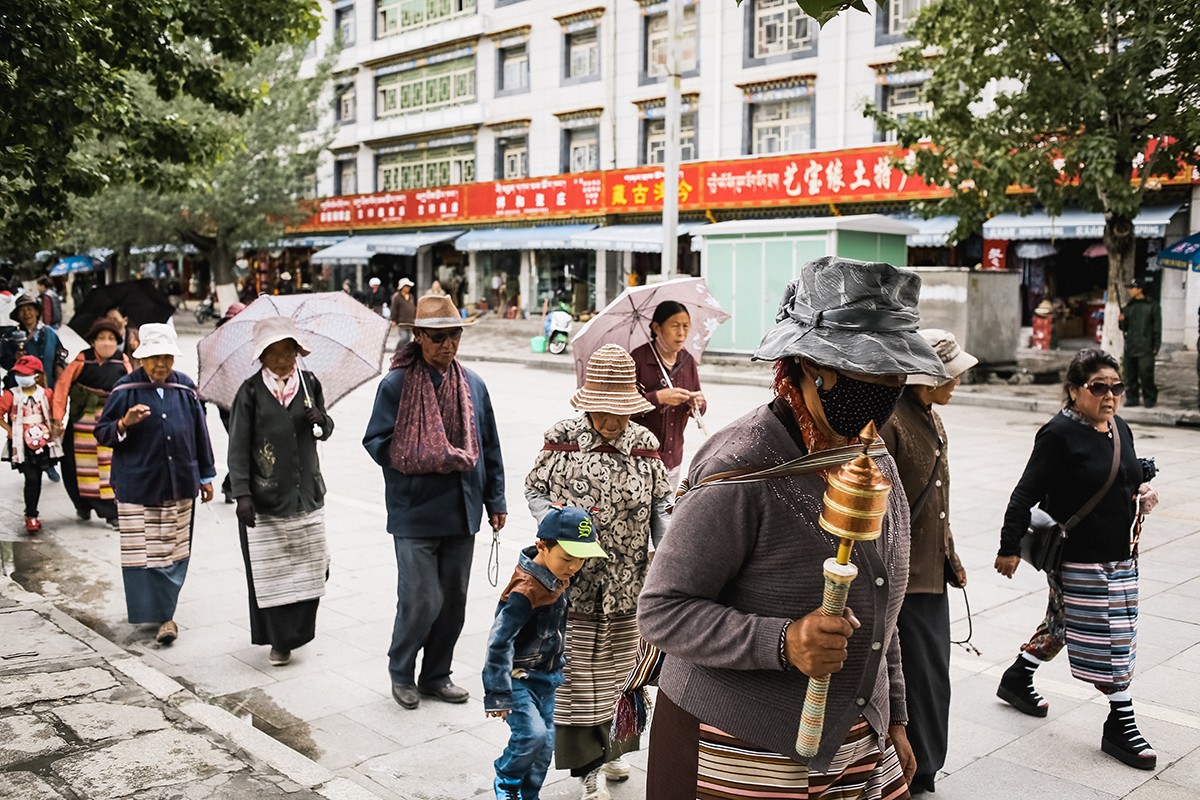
pixel 853 508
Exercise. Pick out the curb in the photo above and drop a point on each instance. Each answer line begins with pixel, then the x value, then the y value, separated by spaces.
pixel 293 766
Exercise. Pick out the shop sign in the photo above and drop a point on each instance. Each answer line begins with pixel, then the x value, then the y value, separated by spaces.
pixel 995 254
pixel 641 189
pixel 390 209
pixel 558 196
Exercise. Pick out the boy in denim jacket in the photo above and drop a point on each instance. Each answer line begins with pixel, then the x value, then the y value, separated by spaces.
pixel 525 648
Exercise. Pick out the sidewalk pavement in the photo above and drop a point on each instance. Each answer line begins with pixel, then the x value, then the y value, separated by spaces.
pixel 81 718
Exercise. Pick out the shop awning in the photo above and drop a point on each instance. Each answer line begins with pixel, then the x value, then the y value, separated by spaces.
pixel 540 237
pixel 1036 250
pixel 932 232
pixel 1074 224
pixel 359 249
pixel 628 238
pixel 1184 254
pixel 309 241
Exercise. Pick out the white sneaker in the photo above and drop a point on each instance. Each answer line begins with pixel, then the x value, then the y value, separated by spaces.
pixel 617 770
pixel 594 786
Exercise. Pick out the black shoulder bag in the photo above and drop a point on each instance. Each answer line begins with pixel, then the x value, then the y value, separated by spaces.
pixel 1042 545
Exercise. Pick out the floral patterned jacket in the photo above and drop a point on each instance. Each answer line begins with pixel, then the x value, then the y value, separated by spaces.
pixel 624 487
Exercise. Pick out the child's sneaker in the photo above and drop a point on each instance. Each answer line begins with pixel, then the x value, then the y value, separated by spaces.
pixel 32 525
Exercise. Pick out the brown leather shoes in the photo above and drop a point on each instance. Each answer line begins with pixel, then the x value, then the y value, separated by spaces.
pixel 167 632
pixel 447 693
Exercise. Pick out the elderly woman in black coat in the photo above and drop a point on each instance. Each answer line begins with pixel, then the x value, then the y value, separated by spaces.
pixel 277 418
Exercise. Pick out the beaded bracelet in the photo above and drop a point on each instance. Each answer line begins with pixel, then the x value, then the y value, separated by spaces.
pixel 783 659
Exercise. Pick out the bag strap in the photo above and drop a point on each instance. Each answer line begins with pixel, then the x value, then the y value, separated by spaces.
pixel 804 465
pixel 150 385
pixel 1090 505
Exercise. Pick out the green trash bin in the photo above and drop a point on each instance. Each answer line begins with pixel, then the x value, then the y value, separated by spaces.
pixel 537 344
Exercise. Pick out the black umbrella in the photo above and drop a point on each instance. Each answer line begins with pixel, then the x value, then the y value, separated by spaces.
pixel 139 300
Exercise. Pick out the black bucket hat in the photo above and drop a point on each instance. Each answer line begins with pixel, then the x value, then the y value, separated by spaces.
pixel 21 302
pixel 853 316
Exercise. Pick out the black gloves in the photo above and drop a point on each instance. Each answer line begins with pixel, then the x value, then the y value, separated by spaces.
pixel 315 416
pixel 245 511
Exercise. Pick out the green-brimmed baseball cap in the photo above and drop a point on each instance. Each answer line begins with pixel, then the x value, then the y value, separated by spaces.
pixel 574 530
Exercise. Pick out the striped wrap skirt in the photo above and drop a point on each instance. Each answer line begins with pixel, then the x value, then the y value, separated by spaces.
pixel 156 543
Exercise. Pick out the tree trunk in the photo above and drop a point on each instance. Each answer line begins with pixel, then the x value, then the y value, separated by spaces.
pixel 122 261
pixel 1121 246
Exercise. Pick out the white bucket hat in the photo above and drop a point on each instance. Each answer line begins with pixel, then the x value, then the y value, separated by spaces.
pixel 954 358
pixel 404 282
pixel 157 339
pixel 610 384
pixel 269 330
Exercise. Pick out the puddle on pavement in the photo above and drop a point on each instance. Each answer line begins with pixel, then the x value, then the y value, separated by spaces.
pixel 254 707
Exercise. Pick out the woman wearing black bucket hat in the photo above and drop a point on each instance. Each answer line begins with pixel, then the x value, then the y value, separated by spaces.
pixel 736 606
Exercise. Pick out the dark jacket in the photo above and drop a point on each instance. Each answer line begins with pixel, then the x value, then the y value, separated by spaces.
pixel 915 437
pixel 403 312
pixel 1069 463
pixel 1142 323
pixel 667 423
pixel 529 630
pixel 272 450
pixel 43 343
pixel 166 455
pixel 434 505
pixel 739 562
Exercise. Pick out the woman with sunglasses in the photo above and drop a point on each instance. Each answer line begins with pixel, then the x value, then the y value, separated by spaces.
pixel 1093 605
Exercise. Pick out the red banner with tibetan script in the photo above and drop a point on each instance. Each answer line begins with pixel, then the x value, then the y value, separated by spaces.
pixel 580 194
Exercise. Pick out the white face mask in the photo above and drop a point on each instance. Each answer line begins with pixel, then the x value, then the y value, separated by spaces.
pixel 25 381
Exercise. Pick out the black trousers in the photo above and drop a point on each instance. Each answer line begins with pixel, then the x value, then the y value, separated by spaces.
pixel 33 487
pixel 431 605
pixel 1138 373
pixel 924 627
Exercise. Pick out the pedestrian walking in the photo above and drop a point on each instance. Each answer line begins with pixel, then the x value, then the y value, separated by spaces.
pixel 31 338
pixel 276 421
pixel 733 597
pixel 402 312
pixel 162 458
pixel 525 648
pixel 602 461
pixel 433 432
pixel 376 300
pixel 1141 320
pixel 917 441
pixel 667 377
pixel 83 389
pixel 1085 472
pixel 51 303
pixel 25 415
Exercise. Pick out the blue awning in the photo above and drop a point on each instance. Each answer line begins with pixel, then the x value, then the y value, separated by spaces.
pixel 539 237
pixel 1151 223
pixel 628 238
pixel 932 232
pixel 71 264
pixel 309 241
pixel 360 249
pixel 1184 254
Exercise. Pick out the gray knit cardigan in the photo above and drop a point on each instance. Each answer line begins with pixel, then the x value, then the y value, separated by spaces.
pixel 740 560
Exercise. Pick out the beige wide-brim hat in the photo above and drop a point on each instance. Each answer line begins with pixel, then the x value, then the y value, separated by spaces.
pixel 438 311
pixel 610 384
pixel 954 358
pixel 157 339
pixel 269 330
pixel 404 282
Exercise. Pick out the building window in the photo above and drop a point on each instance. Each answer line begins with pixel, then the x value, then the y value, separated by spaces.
pixel 582 149
pixel 901 102
pixel 781 28
pixel 657 39
pixel 514 69
pixel 343 20
pixel 345 177
pixel 446 84
pixel 901 13
pixel 424 168
pixel 781 126
pixel 346 107
pixel 396 16
pixel 583 55
pixel 655 134
pixel 512 158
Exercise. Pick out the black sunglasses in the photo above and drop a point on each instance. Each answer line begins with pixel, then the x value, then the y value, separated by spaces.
pixel 437 337
pixel 1099 388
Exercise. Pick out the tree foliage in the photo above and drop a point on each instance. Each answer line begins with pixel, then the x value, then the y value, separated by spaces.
pixel 73 123
pixel 1065 99
pixel 824 10
pixel 251 188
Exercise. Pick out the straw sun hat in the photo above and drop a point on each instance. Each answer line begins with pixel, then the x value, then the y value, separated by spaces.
pixel 610 384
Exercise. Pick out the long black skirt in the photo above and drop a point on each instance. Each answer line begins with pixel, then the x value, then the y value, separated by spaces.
pixel 283 627
pixel 924 627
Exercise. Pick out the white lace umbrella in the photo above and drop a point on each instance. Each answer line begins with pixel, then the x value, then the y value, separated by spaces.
pixel 626 320
pixel 346 338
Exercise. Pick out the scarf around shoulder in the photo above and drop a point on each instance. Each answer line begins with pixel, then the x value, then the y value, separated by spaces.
pixel 435 426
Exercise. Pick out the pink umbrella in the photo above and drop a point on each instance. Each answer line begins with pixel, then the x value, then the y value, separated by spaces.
pixel 626 320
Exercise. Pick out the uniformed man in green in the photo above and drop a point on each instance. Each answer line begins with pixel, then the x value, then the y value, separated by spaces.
pixel 1141 320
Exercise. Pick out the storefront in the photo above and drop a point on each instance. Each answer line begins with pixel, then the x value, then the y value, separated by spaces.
pixel 547 263
pixel 389 257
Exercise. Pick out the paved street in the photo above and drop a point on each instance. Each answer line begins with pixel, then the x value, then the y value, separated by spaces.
pixel 332 702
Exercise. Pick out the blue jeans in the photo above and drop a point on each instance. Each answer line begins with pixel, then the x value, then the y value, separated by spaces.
pixel 431 604
pixel 531 733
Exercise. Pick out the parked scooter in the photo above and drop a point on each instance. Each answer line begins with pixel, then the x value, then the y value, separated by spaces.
pixel 207 311
pixel 558 328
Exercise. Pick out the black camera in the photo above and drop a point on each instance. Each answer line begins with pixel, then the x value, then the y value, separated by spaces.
pixel 1149 469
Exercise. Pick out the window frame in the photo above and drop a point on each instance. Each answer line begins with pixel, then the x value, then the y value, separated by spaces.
pixel 753 126
pixel 883 99
pixel 648 76
pixel 750 57
pixel 340 17
pixel 459 75
pixel 568 140
pixel 384 8
pixel 339 176
pixel 648 136
pixel 502 53
pixel 567 78
pixel 452 161
pixel 503 144
pixel 886 31
pixel 350 93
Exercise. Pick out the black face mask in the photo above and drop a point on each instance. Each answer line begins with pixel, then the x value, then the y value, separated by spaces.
pixel 851 404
